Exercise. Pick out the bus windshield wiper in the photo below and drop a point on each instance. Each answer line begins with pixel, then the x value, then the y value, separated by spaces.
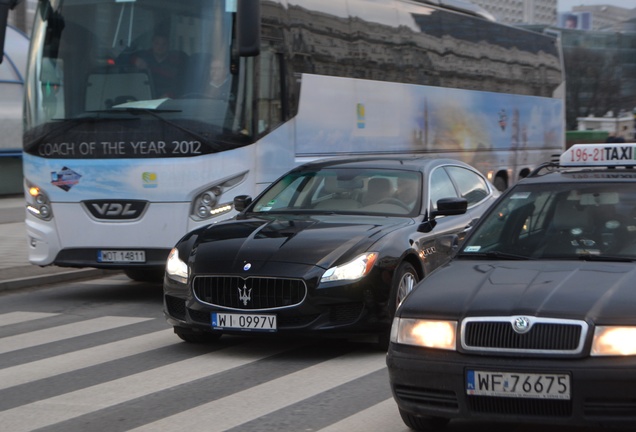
pixel 136 109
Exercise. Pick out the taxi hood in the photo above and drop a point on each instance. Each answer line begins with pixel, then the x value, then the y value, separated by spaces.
pixel 603 292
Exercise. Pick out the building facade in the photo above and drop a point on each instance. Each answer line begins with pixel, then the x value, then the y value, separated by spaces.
pixel 506 11
pixel 21 17
pixel 619 125
pixel 605 17
pixel 521 11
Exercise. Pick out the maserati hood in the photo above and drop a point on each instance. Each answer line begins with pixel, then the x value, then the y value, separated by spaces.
pixel 603 292
pixel 307 241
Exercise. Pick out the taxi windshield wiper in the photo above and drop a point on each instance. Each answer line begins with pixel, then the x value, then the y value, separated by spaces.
pixel 497 255
pixel 605 258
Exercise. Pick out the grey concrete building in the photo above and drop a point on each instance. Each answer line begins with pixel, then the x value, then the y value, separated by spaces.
pixel 521 11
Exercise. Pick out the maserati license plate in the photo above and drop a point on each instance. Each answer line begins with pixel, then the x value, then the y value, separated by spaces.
pixel 250 322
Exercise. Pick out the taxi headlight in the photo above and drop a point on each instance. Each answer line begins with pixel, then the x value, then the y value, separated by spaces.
pixel 176 269
pixel 424 333
pixel 614 341
pixel 357 268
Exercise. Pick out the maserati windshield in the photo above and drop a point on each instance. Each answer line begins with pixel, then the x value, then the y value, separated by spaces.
pixel 359 191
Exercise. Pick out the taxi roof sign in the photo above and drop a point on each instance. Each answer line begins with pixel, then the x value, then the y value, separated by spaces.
pixel 615 154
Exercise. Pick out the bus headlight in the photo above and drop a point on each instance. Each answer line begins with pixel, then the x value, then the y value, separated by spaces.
pixel 207 203
pixel 38 203
pixel 424 333
pixel 176 269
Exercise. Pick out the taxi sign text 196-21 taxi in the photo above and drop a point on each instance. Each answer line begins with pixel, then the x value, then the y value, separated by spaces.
pixel 599 154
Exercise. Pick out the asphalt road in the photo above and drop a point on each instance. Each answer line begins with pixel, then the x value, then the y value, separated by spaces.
pixel 98 355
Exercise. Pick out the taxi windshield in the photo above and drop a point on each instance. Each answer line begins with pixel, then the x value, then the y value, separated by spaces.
pixel 560 221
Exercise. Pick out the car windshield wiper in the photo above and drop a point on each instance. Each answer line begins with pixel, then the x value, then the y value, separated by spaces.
pixel 155 112
pixel 496 255
pixel 605 258
pixel 287 211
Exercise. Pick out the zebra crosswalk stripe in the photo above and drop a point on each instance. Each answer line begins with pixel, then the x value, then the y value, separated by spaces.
pixel 87 400
pixel 20 317
pixel 382 416
pixel 66 331
pixel 257 401
pixel 58 407
pixel 40 369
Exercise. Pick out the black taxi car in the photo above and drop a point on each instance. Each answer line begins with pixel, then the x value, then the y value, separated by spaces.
pixel 330 247
pixel 534 318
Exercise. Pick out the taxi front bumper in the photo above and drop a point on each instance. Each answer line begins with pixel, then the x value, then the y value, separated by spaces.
pixel 429 382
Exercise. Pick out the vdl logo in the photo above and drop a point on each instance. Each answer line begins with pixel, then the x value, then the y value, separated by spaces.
pixel 116 209
pixel 149 180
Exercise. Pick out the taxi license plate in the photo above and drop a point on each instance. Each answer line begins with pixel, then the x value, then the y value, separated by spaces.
pixel 518 385
pixel 121 256
pixel 250 322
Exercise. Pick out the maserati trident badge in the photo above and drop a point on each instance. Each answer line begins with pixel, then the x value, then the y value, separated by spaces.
pixel 245 294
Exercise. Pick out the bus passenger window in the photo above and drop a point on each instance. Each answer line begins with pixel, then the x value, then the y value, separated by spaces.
pixel 270 93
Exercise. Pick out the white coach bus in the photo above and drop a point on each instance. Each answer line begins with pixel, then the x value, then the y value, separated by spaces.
pixel 144 118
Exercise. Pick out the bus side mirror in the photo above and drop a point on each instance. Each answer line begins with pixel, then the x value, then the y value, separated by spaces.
pixel 248 27
pixel 5 5
pixel 241 202
pixel 445 207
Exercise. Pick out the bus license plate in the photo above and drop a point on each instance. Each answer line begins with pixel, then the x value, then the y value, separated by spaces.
pixel 518 385
pixel 121 256
pixel 250 322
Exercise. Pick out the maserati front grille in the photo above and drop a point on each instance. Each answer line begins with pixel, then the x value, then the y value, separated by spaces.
pixel 253 293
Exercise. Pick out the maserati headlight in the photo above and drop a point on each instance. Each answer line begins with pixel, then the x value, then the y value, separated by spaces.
pixel 424 333
pixel 357 268
pixel 175 268
pixel 614 341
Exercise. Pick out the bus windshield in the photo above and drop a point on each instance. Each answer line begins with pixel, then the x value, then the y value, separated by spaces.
pixel 152 73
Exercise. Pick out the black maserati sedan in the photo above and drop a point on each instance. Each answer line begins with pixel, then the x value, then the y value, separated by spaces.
pixel 534 319
pixel 330 248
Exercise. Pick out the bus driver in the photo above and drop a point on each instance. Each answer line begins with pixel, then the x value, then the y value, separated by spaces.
pixel 164 66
